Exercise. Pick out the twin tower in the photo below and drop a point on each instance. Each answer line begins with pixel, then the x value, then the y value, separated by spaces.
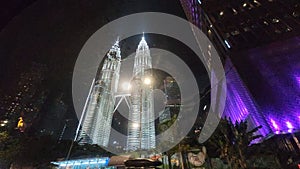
pixel 98 113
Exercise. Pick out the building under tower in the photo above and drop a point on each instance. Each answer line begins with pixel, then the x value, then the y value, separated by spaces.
pixel 97 116
pixel 141 125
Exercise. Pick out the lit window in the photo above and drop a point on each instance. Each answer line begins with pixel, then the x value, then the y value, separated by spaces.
pixel 288 29
pixel 257 3
pixel 246 29
pixel 209 47
pixel 236 32
pixel 275 20
pixel 234 11
pixel 295 14
pixel 274 124
pixel 277 31
pixel 289 125
pixel 227 44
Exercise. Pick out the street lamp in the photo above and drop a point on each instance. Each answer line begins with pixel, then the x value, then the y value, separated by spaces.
pixel 126 86
pixel 3 123
pixel 135 125
pixel 147 81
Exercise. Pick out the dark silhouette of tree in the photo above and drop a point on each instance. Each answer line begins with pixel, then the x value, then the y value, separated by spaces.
pixel 230 142
pixel 39 151
pixel 36 151
pixel 9 149
pixel 89 150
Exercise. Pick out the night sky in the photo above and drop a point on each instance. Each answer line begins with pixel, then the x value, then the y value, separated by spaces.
pixel 53 32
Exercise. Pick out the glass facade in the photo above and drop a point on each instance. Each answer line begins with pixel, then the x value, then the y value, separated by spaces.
pixel 141 127
pixel 98 114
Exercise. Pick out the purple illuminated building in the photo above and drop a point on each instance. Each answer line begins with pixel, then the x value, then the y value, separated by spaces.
pixel 259 44
pixel 274 82
pixel 239 102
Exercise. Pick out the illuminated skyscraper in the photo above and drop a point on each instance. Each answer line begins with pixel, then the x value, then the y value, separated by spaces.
pixel 98 114
pixel 141 127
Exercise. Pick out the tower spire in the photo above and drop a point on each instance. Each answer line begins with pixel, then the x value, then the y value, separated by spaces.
pixel 115 51
pixel 118 40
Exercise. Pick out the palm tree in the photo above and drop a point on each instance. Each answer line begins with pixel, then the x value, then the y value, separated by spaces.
pixel 231 142
pixel 243 140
